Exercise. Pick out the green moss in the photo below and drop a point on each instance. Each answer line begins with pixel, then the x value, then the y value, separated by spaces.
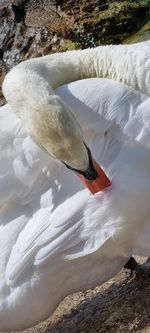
pixel 113 24
pixel 115 8
pixel 68 45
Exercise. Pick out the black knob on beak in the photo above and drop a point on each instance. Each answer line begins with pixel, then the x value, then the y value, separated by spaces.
pixel 90 173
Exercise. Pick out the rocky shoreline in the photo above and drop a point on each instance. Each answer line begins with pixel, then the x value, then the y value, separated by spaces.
pixel 31 28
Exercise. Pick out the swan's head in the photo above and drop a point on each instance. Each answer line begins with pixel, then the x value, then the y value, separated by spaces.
pixel 51 124
pixel 55 128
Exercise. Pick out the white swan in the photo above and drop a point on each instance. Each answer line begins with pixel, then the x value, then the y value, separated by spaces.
pixel 29 90
pixel 55 237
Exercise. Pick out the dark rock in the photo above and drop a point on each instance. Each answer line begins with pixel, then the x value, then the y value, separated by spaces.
pixel 7 28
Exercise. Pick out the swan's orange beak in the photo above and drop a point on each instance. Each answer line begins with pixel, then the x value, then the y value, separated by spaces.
pixel 101 181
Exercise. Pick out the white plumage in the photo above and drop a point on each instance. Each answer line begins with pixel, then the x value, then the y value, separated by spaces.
pixel 55 237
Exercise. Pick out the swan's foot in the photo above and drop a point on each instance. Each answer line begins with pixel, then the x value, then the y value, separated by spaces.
pixel 137 268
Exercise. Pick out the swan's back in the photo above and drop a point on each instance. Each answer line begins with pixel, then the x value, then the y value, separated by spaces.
pixel 114 102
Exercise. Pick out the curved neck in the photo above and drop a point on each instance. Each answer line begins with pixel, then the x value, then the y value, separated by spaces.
pixel 38 77
pixel 121 63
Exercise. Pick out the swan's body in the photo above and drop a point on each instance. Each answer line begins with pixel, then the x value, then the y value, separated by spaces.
pixel 55 237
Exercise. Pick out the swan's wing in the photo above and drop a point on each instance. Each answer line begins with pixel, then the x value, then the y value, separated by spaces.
pixel 21 161
pixel 67 233
pixel 143 118
pixel 31 184
pixel 47 234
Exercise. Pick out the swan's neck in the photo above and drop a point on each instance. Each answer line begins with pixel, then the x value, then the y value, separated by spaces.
pixel 116 62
